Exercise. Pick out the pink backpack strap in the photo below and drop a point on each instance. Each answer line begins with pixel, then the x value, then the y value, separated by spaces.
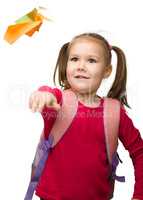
pixel 111 125
pixel 65 116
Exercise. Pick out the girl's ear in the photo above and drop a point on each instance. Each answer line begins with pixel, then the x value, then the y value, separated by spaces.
pixel 107 71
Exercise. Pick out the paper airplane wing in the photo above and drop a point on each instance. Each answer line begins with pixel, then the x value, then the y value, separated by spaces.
pixel 27 24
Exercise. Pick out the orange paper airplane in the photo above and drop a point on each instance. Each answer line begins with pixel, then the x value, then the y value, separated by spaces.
pixel 27 24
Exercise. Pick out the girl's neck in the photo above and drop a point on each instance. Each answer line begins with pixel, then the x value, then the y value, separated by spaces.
pixel 89 99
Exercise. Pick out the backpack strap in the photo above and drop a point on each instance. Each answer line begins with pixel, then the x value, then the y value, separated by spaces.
pixel 111 118
pixel 64 116
pixel 111 125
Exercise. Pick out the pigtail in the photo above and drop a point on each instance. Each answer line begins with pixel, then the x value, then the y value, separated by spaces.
pixel 118 88
pixel 61 66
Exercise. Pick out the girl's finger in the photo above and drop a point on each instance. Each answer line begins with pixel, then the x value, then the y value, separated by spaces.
pixel 49 102
pixel 32 99
pixel 35 103
pixel 55 106
pixel 33 107
pixel 40 107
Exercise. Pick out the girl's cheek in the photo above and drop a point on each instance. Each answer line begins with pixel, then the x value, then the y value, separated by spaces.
pixel 68 74
pixel 69 70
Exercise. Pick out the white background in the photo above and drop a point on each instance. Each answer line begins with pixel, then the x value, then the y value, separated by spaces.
pixel 29 63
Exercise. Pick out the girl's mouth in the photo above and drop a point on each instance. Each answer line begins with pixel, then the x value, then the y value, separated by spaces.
pixel 81 77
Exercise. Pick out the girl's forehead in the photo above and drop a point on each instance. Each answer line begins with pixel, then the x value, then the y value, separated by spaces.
pixel 91 44
pixel 86 40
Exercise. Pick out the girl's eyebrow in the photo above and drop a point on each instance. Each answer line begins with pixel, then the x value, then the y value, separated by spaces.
pixel 90 55
pixel 93 55
pixel 73 55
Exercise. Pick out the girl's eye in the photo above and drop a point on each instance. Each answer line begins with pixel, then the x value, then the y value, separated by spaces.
pixel 91 60
pixel 74 59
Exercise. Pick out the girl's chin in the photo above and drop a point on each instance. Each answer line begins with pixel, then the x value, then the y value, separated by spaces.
pixel 81 90
pixel 81 87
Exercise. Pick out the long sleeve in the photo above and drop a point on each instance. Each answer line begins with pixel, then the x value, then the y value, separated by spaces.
pixel 49 114
pixel 133 142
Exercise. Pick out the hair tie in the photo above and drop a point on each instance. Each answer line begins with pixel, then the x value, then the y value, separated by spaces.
pixel 110 46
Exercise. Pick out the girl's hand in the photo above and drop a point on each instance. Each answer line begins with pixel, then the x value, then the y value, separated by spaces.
pixel 39 99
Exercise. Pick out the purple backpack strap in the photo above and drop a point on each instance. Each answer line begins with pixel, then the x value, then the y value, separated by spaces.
pixel 64 118
pixel 111 127
pixel 42 153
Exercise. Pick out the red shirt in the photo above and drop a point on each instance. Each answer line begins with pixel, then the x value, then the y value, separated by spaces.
pixel 77 167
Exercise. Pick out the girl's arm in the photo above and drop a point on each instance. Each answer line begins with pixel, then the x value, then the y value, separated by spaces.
pixel 133 142
pixel 49 114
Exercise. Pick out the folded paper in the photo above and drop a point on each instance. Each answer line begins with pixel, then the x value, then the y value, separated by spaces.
pixel 28 24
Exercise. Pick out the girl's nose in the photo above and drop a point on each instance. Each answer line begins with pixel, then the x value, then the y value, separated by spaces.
pixel 81 66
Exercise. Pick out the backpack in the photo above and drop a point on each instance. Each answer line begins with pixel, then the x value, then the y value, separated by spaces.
pixel 111 116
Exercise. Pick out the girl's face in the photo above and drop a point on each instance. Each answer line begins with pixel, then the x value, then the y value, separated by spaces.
pixel 86 65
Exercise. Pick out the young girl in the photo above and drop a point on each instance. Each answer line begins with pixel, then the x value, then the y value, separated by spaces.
pixel 77 167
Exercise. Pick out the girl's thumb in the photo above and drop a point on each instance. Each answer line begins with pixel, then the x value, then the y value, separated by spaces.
pixel 56 106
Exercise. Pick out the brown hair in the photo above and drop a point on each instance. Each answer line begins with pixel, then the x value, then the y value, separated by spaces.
pixel 118 88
